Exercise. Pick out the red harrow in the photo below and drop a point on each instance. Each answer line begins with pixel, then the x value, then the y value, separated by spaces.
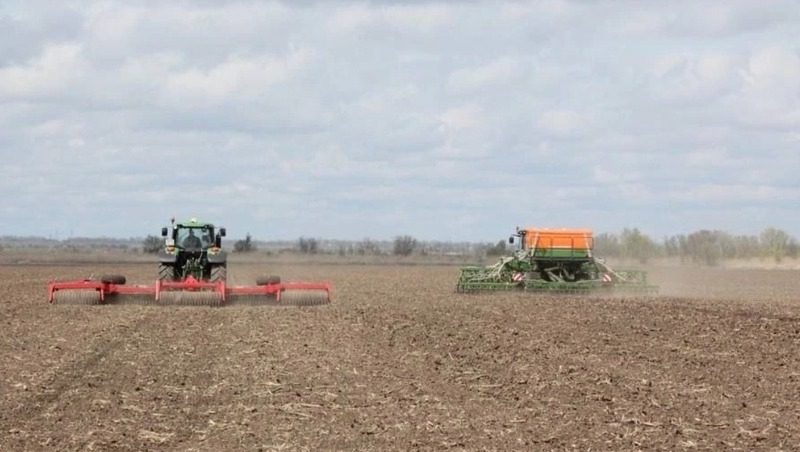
pixel 111 289
pixel 192 270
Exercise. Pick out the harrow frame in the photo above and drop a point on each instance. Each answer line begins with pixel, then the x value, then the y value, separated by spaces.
pixel 191 285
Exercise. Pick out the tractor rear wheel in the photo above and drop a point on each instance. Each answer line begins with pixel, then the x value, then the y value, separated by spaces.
pixel 166 272
pixel 218 273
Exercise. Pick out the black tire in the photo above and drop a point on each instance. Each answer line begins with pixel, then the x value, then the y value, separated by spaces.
pixel 165 272
pixel 267 280
pixel 218 273
pixel 112 279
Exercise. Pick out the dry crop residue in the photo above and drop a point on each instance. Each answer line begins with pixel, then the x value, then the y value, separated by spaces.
pixel 399 361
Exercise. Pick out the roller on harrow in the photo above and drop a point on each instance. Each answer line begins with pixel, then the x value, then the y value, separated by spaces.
pixel 192 271
pixel 553 261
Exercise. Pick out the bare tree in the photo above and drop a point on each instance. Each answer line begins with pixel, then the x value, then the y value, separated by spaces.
pixel 498 249
pixel 152 244
pixel 307 245
pixel 607 244
pixel 244 246
pixel 367 246
pixel 637 245
pixel 404 245
pixel 775 243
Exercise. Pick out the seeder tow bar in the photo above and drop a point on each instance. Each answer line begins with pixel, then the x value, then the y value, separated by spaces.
pixel 190 291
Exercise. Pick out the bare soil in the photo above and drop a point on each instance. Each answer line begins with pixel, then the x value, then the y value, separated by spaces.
pixel 399 361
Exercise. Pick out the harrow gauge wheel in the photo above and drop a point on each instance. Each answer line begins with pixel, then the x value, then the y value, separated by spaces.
pixel 113 279
pixel 267 280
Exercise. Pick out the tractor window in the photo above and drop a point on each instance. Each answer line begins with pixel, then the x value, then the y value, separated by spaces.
pixel 198 238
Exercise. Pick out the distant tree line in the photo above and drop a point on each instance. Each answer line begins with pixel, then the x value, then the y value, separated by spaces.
pixel 403 245
pixel 153 244
pixel 308 245
pixel 705 246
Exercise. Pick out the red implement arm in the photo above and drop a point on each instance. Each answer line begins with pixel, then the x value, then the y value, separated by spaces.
pixel 102 287
pixel 188 285
pixel 278 288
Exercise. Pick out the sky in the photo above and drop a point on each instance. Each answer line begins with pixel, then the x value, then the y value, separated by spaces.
pixel 442 120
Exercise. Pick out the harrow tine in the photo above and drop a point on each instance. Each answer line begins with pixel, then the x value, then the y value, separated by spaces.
pixel 190 292
pixel 304 297
pixel 184 298
pixel 253 300
pixel 129 299
pixel 77 297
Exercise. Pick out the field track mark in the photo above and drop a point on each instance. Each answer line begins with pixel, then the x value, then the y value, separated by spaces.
pixel 72 373
pixel 722 311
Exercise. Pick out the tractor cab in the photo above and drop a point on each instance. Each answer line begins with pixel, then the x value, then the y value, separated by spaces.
pixel 193 236
pixel 192 248
pixel 194 239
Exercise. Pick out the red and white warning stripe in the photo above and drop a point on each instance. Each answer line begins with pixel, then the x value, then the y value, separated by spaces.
pixel 606 277
pixel 518 277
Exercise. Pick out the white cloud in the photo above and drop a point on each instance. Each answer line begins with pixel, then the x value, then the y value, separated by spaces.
pixel 562 123
pixel 57 69
pixel 770 95
pixel 465 132
pixel 495 72
pixel 548 9
pixel 418 17
pixel 386 99
pixel 775 64
pixel 694 79
pixel 401 113
pixel 351 17
pixel 355 18
pixel 465 117
pixel 733 193
pixel 714 158
pixel 236 78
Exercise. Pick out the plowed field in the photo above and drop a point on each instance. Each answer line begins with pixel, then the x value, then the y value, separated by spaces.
pixel 399 361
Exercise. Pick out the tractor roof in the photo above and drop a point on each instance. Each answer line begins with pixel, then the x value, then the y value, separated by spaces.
pixel 193 223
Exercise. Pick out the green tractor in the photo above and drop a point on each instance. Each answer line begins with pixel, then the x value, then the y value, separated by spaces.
pixel 192 271
pixel 192 249
pixel 555 261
